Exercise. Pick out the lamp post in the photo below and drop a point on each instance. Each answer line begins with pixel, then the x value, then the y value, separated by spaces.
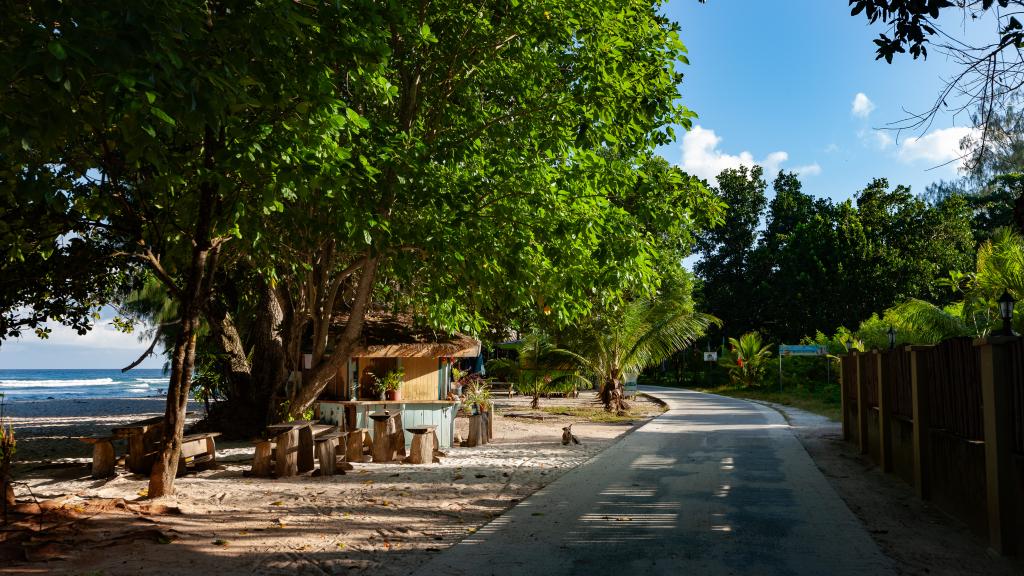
pixel 1006 303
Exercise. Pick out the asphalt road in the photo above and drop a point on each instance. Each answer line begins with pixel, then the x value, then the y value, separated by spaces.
pixel 714 486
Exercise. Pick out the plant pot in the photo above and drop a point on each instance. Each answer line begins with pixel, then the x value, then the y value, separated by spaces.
pixel 393 395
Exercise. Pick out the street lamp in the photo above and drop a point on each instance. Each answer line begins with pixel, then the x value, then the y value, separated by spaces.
pixel 1006 303
pixel 892 337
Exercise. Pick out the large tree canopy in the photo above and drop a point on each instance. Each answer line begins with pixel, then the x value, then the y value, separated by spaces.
pixel 272 165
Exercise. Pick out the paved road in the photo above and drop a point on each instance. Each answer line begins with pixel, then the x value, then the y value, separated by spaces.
pixel 714 486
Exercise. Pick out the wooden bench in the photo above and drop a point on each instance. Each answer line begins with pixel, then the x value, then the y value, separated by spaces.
pixel 198 451
pixel 103 459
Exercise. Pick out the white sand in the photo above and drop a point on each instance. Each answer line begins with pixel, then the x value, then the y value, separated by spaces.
pixel 385 519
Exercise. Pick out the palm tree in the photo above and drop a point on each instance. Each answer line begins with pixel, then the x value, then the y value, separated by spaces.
pixel 746 359
pixel 542 367
pixel 999 267
pixel 639 335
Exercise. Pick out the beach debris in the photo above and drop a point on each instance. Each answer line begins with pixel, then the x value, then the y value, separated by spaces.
pixel 568 436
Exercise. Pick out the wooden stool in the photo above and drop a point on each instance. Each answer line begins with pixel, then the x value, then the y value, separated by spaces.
pixel 102 455
pixel 286 454
pixel 383 431
pixel 423 440
pixel 327 452
pixel 263 461
pixel 354 446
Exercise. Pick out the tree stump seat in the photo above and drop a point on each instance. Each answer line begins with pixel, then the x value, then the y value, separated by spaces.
pixel 354 445
pixel 327 451
pixel 384 433
pixel 424 443
pixel 103 458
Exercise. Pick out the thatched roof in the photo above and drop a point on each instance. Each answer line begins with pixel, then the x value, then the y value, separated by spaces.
pixel 397 337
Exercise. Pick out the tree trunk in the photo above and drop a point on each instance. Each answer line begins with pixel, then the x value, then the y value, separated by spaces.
pixel 192 301
pixel 613 396
pixel 269 369
pixel 318 378
pixel 161 480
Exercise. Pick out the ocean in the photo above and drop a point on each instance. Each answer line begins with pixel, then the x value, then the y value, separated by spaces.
pixel 80 384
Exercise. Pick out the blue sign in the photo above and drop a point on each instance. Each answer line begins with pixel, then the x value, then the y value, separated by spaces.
pixel 801 350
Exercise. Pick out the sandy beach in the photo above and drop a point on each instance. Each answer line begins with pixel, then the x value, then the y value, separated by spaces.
pixel 379 518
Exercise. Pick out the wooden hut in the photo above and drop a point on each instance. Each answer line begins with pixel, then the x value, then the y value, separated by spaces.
pixel 425 356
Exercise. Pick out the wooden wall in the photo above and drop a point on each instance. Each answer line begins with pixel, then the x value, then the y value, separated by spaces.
pixel 420 379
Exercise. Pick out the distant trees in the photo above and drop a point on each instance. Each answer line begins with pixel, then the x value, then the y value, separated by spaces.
pixel 816 265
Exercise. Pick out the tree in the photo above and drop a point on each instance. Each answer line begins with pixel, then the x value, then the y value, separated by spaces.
pixel 729 288
pixel 746 359
pixel 170 128
pixel 637 335
pixel 990 72
pixel 500 129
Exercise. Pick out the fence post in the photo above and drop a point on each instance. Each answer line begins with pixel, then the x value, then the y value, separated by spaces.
pixel 884 441
pixel 919 401
pixel 862 413
pixel 842 396
pixel 996 410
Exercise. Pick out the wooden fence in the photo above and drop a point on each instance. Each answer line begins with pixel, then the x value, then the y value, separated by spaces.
pixel 949 419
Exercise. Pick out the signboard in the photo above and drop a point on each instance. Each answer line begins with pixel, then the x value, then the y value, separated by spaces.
pixel 801 350
pixel 711 356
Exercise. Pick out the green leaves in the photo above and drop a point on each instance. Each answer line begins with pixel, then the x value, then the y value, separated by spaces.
pixel 57 50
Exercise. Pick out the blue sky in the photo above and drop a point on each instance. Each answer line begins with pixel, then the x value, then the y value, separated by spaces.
pixel 773 82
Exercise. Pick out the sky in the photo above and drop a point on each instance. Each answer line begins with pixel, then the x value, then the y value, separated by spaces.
pixel 787 84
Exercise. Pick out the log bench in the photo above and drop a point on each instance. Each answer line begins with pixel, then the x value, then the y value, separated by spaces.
pixel 198 451
pixel 103 458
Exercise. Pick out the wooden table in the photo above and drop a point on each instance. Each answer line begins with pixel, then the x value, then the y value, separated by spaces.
pixel 388 437
pixel 143 442
pixel 294 450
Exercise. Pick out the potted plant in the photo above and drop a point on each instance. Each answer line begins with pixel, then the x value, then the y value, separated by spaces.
pixel 477 394
pixel 390 386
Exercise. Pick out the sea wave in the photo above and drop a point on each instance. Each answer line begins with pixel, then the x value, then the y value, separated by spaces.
pixel 153 380
pixel 55 383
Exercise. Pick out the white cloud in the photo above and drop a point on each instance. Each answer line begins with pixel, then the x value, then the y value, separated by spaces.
pixel 862 106
pixel 832 148
pixel 875 138
pixel 702 157
pixel 103 336
pixel 937 147
pixel 808 170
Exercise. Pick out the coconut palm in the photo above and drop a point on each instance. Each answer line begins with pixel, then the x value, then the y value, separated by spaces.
pixel 999 267
pixel 641 334
pixel 541 368
pixel 746 359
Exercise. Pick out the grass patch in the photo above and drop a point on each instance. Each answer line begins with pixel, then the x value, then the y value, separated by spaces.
pixel 822 401
pixel 597 414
